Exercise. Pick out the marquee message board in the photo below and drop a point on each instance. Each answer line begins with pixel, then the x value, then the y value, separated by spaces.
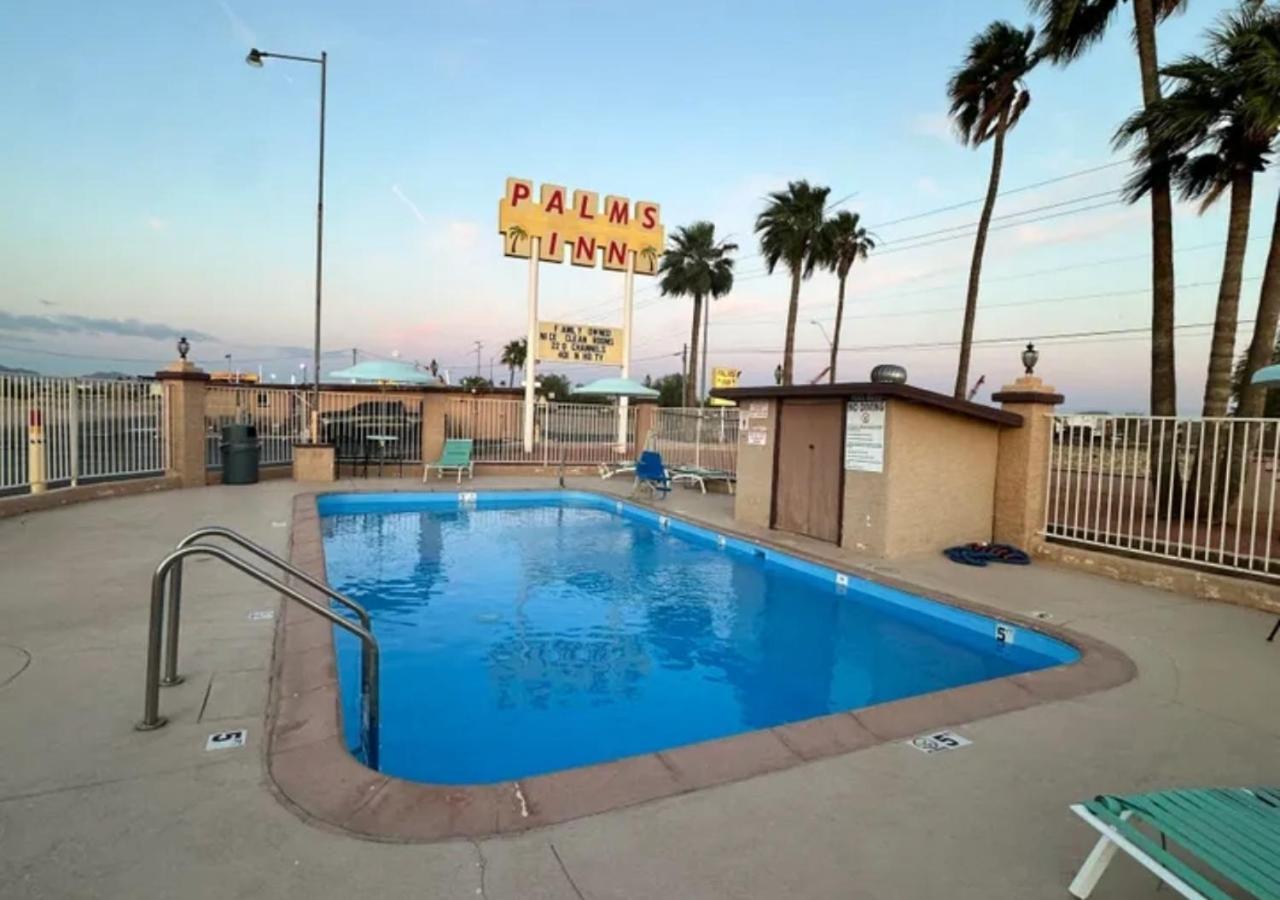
pixel 580 225
pixel 560 342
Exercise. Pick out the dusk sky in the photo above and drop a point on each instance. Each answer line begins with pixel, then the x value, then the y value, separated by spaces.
pixel 153 184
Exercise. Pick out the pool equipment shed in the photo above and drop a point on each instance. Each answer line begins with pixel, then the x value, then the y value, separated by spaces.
pixel 883 468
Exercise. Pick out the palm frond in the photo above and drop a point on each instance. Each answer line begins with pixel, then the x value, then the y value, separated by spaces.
pixel 696 264
pixel 988 91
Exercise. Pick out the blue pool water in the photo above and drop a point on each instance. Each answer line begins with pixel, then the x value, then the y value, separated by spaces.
pixel 524 633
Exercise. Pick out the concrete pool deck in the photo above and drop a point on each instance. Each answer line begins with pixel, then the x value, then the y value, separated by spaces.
pixel 91 808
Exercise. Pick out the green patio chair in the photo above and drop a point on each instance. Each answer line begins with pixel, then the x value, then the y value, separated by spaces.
pixel 456 457
pixel 1233 833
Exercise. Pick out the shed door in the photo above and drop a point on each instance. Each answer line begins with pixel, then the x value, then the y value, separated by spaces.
pixel 808 488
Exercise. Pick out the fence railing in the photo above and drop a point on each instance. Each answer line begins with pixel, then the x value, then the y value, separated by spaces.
pixel 572 433
pixel 366 425
pixel 698 437
pixel 279 416
pixel 362 425
pixel 1196 491
pixel 94 430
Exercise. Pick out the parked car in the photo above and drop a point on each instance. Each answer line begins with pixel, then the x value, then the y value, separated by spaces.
pixel 350 430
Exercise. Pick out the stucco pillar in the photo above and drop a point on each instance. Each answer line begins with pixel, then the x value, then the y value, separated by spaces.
pixel 646 418
pixel 1023 461
pixel 435 406
pixel 315 462
pixel 185 391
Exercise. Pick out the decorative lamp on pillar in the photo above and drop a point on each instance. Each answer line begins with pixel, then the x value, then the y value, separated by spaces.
pixel 1030 357
pixel 184 347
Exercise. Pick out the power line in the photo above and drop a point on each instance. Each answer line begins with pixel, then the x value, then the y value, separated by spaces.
pixel 938 345
pixel 1012 215
pixel 907 313
pixel 1032 221
pixel 1017 190
pixel 36 351
pixel 591 309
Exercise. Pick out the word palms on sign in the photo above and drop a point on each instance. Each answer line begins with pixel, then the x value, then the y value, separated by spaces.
pixel 580 224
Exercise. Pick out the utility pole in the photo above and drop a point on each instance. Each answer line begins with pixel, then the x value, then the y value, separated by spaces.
pixel 479 347
pixel 353 356
pixel 684 371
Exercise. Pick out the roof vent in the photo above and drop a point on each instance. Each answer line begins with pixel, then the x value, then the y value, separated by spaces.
pixel 888 373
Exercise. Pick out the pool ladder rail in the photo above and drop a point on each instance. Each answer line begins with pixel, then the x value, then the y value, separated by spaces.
pixel 163 628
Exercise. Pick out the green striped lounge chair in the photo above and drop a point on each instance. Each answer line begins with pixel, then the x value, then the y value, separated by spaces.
pixel 699 476
pixel 1228 840
pixel 456 457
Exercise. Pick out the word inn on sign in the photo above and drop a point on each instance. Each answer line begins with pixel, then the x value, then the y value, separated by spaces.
pixel 581 225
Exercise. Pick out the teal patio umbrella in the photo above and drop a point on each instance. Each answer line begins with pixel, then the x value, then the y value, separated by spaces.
pixel 1269 375
pixel 384 372
pixel 616 387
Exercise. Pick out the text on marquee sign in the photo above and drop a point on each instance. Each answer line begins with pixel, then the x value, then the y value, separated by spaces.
pixel 580 224
pixel 579 343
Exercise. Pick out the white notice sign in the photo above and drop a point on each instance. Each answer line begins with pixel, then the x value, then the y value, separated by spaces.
pixel 864 435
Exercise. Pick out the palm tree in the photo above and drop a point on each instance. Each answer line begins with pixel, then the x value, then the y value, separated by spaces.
pixel 1070 27
pixel 1209 138
pixel 1258 54
pixel 847 242
pixel 988 96
pixel 513 357
pixel 791 231
pixel 696 265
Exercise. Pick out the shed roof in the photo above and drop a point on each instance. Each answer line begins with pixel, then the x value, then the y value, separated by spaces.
pixel 906 392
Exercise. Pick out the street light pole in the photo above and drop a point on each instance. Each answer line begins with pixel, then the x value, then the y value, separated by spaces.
pixel 831 344
pixel 255 58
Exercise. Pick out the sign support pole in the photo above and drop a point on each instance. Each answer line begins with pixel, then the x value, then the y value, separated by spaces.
pixel 531 347
pixel 628 290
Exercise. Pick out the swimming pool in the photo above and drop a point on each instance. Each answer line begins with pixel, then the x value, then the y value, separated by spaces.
pixel 530 632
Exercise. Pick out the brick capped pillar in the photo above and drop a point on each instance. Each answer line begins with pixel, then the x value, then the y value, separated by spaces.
pixel 1023 461
pixel 185 390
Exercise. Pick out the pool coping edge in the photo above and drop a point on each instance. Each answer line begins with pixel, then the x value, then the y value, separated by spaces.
pixel 312 773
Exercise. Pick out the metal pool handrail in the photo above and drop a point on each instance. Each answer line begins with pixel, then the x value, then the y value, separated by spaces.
pixel 171 676
pixel 151 717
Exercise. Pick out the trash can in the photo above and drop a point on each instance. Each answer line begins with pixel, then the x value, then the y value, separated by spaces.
pixel 239 454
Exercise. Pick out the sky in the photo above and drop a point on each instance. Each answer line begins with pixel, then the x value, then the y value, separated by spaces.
pixel 152 184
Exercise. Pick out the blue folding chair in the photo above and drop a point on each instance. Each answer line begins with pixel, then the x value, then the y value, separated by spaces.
pixel 651 473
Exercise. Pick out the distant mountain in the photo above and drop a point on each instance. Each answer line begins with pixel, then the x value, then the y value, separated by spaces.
pixel 111 376
pixel 6 370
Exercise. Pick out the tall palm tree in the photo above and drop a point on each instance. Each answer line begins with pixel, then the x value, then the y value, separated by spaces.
pixel 847 242
pixel 513 357
pixel 988 96
pixel 1257 52
pixel 1209 138
pixel 1069 28
pixel 791 231
pixel 696 265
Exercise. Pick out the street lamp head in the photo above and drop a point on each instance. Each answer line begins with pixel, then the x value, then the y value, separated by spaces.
pixel 254 58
